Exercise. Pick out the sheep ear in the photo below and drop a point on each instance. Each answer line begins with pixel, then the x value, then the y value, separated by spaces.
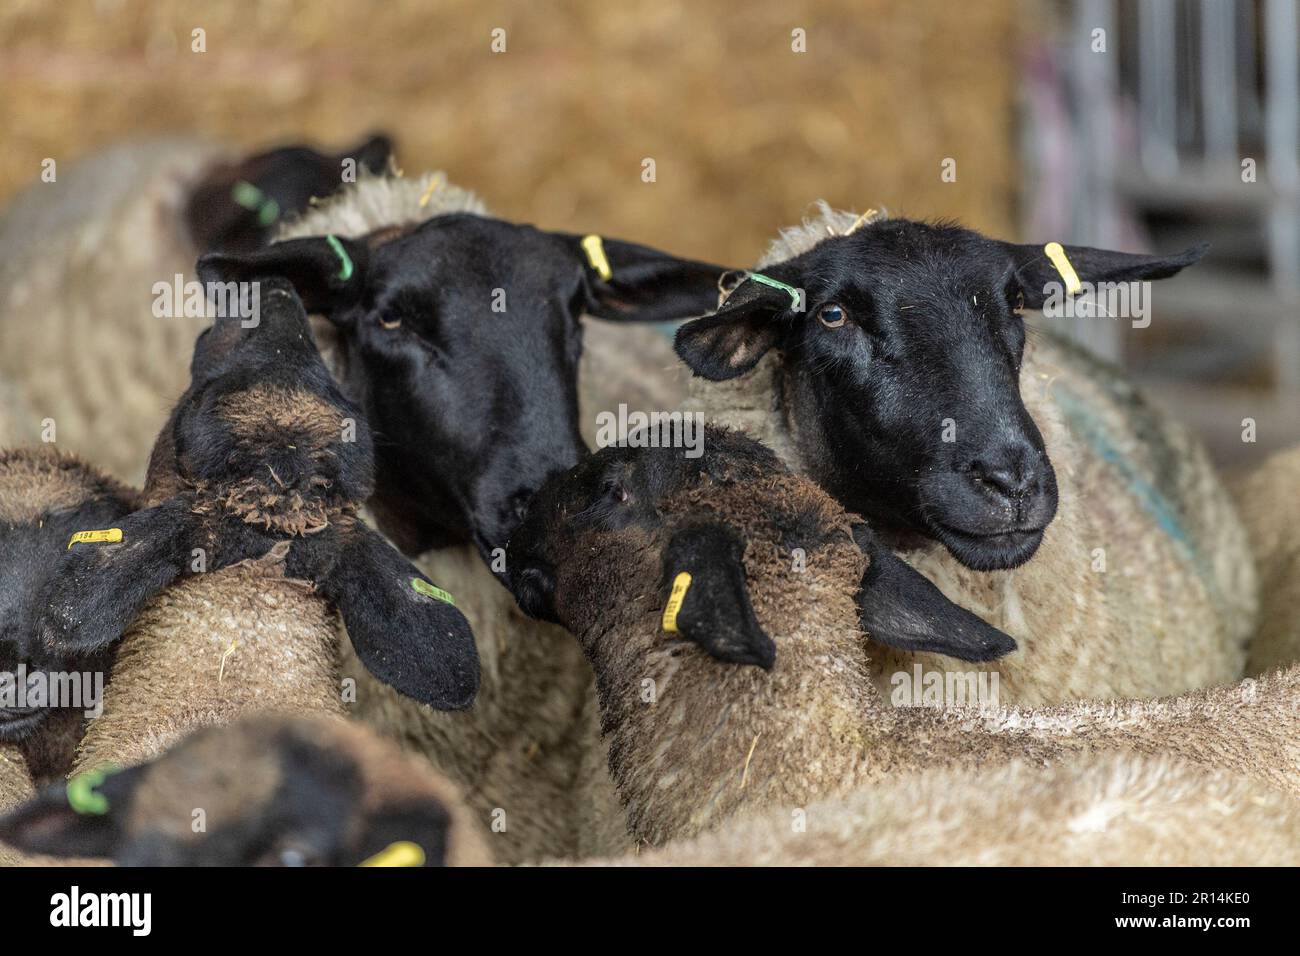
pixel 405 630
pixel 327 275
pixel 900 607
pixel 706 597
pixel 82 818
pixel 643 284
pixel 102 583
pixel 373 153
pixel 730 342
pixel 1037 275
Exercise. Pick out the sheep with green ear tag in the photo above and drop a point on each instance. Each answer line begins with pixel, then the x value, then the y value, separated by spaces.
pixel 1031 482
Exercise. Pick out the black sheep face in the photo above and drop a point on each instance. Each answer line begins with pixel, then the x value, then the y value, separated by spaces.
pixel 305 794
pixel 460 337
pixel 901 375
pixel 238 206
pixel 45 499
pixel 263 453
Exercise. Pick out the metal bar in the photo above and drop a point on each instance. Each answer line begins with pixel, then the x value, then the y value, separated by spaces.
pixel 1282 141
pixel 1219 81
pixel 1157 87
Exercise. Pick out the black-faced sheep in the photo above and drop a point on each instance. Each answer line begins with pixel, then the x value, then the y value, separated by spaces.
pixel 461 335
pixel 908 388
pixel 693 741
pixel 225 583
pixel 83 260
pixel 45 499
pixel 269 790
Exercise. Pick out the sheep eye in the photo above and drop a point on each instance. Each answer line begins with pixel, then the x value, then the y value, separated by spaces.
pixel 1020 302
pixel 832 315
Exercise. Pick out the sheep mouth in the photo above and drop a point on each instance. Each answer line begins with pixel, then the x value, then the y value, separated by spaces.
pixel 18 723
pixel 989 550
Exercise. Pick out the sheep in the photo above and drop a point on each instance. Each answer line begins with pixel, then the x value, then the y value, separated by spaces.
pixel 309 791
pixel 475 407
pixel 908 389
pixel 84 260
pixel 1099 810
pixel 693 743
pixel 223 587
pixel 46 497
pixel 1269 504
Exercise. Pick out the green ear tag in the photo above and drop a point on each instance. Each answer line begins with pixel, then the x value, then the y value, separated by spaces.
pixel 246 194
pixel 422 586
pixel 81 791
pixel 345 261
pixel 796 299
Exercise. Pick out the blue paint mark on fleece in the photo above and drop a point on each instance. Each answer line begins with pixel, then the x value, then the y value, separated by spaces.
pixel 1147 494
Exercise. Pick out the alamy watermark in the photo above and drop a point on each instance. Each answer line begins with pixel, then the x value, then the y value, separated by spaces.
pixel 211 300
pixel 79 690
pixel 935 688
pixel 1111 300
pixel 651 430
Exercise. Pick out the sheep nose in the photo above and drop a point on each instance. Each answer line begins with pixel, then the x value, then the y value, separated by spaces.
pixel 1008 472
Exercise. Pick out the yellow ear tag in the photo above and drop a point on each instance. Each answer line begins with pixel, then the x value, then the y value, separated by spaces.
pixel 422 586
pixel 402 853
pixel 106 536
pixel 681 584
pixel 1056 252
pixel 595 250
pixel 434 185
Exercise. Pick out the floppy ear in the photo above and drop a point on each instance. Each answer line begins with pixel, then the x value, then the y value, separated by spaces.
pixel 327 275
pixel 712 607
pixel 730 342
pixel 900 607
pixel 644 284
pixel 101 585
pixel 404 629
pixel 82 818
pixel 1036 273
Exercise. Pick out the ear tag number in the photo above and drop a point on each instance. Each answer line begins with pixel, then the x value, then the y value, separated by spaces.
pixel 1056 252
pixel 594 247
pixel 106 536
pixel 402 853
pixel 681 584
pixel 422 586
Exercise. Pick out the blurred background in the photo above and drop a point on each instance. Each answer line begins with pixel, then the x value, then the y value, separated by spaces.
pixel 1134 137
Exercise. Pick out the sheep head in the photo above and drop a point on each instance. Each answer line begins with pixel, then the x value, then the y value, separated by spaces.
pixel 899 346
pixel 45 498
pixel 461 338
pixel 275 791
pixel 237 206
pixel 264 454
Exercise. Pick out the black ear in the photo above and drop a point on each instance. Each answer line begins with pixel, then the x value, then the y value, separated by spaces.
pixel 711 606
pixel 82 818
pixel 404 629
pixel 632 283
pixel 327 272
pixel 373 153
pixel 102 583
pixel 900 607
pixel 732 340
pixel 1037 274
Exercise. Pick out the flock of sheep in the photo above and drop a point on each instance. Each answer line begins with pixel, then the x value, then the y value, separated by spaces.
pixel 375 601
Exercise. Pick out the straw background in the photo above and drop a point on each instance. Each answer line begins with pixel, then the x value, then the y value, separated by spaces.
pixel 745 133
